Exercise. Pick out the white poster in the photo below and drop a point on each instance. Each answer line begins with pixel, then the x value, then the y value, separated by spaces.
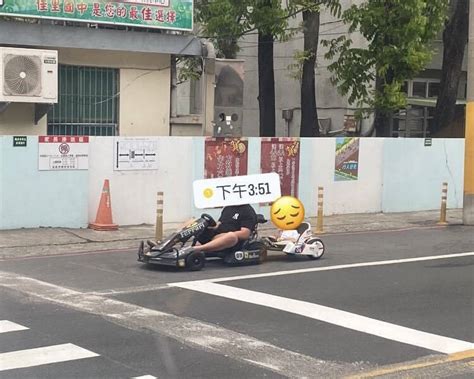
pixel 63 153
pixel 236 190
pixel 132 153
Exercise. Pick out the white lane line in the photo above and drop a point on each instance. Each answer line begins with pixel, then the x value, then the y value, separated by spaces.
pixel 327 268
pixel 335 316
pixel 43 356
pixel 8 326
pixel 145 377
pixel 189 331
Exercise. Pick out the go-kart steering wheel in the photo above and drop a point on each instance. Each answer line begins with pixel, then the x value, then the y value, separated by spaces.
pixel 209 219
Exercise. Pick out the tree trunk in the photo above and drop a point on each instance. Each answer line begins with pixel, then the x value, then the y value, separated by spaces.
pixel 266 85
pixel 309 114
pixel 455 38
pixel 381 123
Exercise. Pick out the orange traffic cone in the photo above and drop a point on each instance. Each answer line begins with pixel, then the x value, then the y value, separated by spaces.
pixel 103 220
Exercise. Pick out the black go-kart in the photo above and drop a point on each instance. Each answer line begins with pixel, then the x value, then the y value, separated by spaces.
pixel 173 251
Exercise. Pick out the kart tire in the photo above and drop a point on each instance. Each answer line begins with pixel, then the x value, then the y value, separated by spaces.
pixel 195 261
pixel 262 247
pixel 321 247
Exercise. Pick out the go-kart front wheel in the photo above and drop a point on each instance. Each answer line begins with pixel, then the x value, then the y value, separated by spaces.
pixel 195 261
pixel 317 246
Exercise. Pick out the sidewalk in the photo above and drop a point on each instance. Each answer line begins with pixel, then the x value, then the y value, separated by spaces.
pixel 51 241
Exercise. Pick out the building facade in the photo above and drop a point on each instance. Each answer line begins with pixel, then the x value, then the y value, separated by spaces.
pixel 113 78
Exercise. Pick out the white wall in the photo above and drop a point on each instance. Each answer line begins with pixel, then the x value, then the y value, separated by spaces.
pixel 395 175
pixel 317 169
pixel 133 193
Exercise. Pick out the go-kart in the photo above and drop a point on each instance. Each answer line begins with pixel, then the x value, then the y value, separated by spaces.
pixel 172 251
pixel 305 244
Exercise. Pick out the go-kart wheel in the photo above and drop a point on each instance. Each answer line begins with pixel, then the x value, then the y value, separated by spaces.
pixel 261 246
pixel 195 261
pixel 320 248
pixel 209 219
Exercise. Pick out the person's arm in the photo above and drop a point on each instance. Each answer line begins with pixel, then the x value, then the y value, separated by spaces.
pixel 218 223
pixel 247 224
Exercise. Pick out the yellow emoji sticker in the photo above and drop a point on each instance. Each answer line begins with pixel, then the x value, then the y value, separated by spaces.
pixel 287 213
pixel 208 193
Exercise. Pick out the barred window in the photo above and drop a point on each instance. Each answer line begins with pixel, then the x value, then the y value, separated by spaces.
pixel 87 102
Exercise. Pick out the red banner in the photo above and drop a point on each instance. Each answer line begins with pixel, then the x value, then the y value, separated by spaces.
pixel 282 155
pixel 225 157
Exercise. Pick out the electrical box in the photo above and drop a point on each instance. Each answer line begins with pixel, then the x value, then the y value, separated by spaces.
pixel 229 98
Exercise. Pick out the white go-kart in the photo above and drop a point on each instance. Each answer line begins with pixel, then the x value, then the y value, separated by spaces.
pixel 300 242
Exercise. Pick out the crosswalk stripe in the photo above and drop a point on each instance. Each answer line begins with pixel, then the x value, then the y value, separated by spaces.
pixel 8 326
pixel 145 377
pixel 334 316
pixel 43 356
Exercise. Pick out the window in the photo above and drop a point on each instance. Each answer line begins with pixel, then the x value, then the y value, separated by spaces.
pixel 87 102
pixel 419 89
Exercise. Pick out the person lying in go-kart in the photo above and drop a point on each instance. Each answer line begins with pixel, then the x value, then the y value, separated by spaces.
pixel 234 226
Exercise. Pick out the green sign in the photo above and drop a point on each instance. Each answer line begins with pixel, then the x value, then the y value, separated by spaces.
pixel 19 141
pixel 161 14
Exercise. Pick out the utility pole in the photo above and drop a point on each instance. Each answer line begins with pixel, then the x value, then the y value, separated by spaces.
pixel 468 207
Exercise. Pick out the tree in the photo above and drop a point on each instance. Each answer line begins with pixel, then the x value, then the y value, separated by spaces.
pixel 455 38
pixel 311 22
pixel 398 33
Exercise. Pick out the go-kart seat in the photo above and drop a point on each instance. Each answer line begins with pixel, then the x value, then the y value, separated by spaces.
pixel 303 228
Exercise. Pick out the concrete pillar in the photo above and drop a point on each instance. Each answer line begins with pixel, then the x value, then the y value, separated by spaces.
pixel 468 207
pixel 208 82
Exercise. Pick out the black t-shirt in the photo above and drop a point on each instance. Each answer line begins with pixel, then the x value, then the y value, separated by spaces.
pixel 233 218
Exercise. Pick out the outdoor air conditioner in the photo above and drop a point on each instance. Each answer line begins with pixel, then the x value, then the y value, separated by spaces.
pixel 28 75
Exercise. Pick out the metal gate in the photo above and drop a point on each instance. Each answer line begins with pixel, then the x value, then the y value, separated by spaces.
pixel 87 102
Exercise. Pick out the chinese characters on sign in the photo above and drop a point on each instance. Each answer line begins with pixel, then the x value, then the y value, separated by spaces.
pixel 236 190
pixel 63 153
pixel 282 155
pixel 135 153
pixel 225 157
pixel 347 159
pixel 166 14
pixel 20 141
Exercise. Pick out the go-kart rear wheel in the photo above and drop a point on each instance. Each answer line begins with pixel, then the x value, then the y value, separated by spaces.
pixel 318 243
pixel 261 247
pixel 195 261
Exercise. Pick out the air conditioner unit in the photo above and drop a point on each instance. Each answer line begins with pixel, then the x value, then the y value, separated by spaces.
pixel 28 75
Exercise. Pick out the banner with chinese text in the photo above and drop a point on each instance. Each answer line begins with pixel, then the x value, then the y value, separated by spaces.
pixel 347 159
pixel 161 14
pixel 282 155
pixel 63 153
pixel 225 157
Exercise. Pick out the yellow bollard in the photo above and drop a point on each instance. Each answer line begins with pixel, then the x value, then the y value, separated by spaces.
pixel 159 217
pixel 444 199
pixel 319 224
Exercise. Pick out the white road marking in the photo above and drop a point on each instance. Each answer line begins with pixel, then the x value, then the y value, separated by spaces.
pixel 334 316
pixel 8 326
pixel 327 268
pixel 192 332
pixel 43 356
pixel 145 377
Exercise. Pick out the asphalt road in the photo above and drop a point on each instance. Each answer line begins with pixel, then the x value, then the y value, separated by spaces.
pixel 374 299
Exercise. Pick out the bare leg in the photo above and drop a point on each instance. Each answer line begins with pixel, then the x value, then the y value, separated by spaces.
pixel 220 242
